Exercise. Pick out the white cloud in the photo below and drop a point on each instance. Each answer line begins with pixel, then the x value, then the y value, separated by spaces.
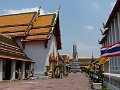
pixel 112 4
pixel 23 10
pixel 88 27
pixel 96 5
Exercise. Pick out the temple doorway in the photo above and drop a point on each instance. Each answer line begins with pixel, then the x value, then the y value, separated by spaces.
pixel 7 69
pixel 27 71
pixel 18 69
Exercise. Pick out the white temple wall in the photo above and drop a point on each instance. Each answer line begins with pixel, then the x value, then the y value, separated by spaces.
pixel 39 54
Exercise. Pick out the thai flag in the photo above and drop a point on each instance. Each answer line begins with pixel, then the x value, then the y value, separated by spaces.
pixel 110 51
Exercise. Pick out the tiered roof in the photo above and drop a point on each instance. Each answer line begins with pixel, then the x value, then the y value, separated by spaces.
pixel 10 50
pixel 15 24
pixel 31 26
pixel 42 28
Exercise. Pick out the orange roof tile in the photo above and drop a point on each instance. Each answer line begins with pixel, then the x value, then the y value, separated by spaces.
pixel 39 31
pixel 17 24
pixel 37 37
pixel 13 51
pixel 16 19
pixel 16 58
pixel 13 29
pixel 44 20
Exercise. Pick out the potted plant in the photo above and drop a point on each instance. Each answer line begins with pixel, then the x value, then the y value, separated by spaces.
pixel 47 70
pixel 97 81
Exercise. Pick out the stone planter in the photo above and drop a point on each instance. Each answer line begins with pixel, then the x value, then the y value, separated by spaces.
pixel 97 85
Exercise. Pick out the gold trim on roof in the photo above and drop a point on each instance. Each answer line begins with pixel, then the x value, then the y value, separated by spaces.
pixel 9 47
pixel 12 51
pixel 37 37
pixel 5 36
pixel 16 19
pixel 1 42
pixel 42 21
pixel 15 34
pixel 39 31
pixel 13 29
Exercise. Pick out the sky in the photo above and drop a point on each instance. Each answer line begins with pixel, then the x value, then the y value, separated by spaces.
pixel 80 20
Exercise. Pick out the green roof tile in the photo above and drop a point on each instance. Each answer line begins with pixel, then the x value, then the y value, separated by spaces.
pixel 7 48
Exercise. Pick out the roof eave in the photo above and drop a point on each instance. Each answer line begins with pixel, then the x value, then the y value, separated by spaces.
pixel 113 13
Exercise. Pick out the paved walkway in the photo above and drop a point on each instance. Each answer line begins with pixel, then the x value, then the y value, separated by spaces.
pixel 75 81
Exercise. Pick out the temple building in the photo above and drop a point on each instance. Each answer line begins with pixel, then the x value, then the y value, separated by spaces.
pixel 12 59
pixel 37 36
pixel 86 61
pixel 111 36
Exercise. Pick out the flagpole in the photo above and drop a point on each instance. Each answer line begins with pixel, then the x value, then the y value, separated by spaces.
pixel 103 68
pixel 109 75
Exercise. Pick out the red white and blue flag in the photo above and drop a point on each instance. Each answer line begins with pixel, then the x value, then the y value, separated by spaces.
pixel 110 51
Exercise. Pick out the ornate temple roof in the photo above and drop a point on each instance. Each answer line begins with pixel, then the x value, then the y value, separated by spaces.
pixel 31 26
pixel 15 24
pixel 10 50
pixel 45 20
pixel 103 39
pixel 42 28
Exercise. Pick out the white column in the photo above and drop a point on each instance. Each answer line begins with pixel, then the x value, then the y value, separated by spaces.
pixel 116 40
pixel 30 69
pixel 23 70
pixel 115 29
pixel 1 70
pixel 13 68
pixel 118 15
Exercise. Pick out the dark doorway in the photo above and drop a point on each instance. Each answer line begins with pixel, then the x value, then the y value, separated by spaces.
pixel 7 69
pixel 18 68
pixel 27 64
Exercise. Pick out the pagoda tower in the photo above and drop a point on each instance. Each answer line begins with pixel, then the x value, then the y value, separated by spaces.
pixel 74 64
pixel 75 54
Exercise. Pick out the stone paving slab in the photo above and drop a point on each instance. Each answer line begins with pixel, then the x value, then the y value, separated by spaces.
pixel 75 81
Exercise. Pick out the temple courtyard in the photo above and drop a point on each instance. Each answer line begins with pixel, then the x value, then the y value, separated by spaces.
pixel 74 81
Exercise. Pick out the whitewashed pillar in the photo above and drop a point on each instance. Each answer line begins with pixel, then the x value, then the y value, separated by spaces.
pixel 1 70
pixel 23 70
pixel 13 69
pixel 30 68
pixel 118 19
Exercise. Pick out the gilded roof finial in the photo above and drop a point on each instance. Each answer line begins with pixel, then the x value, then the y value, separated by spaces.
pixel 39 10
pixel 103 25
pixel 98 41
pixel 58 9
pixel 101 31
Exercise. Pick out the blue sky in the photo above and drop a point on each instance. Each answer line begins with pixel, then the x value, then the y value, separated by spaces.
pixel 80 20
